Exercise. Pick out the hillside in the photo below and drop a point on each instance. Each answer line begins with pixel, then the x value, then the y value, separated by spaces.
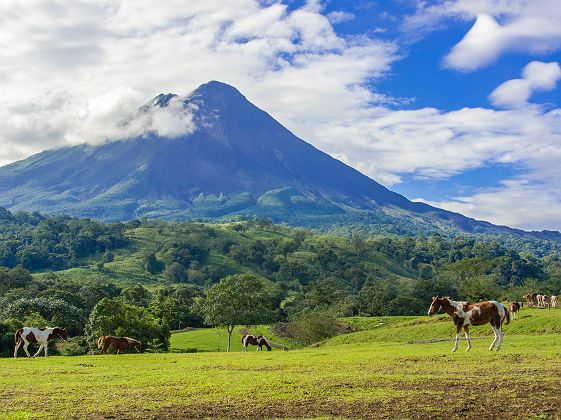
pixel 375 275
pixel 410 330
pixel 237 162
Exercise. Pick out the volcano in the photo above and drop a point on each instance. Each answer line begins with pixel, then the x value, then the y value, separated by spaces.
pixel 237 162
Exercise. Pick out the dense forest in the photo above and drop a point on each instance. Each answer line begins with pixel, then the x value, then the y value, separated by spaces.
pixel 146 276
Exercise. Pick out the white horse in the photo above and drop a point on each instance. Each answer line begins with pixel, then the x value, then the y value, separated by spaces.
pixel 28 335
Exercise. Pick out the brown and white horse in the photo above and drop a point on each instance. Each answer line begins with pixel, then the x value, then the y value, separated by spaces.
pixel 42 337
pixel 513 307
pixel 119 344
pixel 543 301
pixel 529 299
pixel 465 314
pixel 256 341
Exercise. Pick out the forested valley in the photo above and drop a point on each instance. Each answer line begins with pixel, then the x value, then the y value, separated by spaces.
pixel 147 276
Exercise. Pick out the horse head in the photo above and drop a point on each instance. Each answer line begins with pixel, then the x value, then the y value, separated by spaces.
pixel 138 346
pixel 60 332
pixel 436 305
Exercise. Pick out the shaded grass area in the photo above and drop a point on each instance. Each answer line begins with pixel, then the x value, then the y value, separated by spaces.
pixel 378 379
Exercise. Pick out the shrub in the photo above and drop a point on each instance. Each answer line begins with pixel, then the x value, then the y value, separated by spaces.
pixel 114 317
pixel 311 327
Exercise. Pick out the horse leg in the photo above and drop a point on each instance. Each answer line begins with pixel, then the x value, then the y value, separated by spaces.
pixel 458 330
pixel 39 351
pixel 496 337
pixel 466 330
pixel 47 350
pixel 501 335
pixel 259 348
pixel 25 346
pixel 17 348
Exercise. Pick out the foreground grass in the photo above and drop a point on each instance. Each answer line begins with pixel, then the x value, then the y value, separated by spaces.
pixel 369 380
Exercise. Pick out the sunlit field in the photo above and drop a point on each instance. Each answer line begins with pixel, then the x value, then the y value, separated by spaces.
pixel 371 373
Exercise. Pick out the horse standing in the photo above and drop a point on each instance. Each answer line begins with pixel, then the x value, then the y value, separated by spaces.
pixel 119 344
pixel 42 337
pixel 256 341
pixel 465 314
pixel 539 299
pixel 513 307
pixel 553 301
pixel 529 299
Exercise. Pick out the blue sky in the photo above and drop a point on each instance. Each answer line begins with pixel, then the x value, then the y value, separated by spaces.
pixel 451 102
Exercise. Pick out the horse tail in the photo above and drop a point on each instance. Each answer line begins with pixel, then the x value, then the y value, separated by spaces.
pixel 507 316
pixel 17 336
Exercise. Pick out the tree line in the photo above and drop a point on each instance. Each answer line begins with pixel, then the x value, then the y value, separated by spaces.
pixel 292 275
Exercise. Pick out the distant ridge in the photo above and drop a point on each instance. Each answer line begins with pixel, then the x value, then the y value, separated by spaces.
pixel 239 162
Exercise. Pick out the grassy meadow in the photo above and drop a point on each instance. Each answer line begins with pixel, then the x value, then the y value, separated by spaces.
pixel 371 373
pixel 216 339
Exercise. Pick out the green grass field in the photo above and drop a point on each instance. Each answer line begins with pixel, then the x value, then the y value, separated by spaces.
pixel 216 339
pixel 372 373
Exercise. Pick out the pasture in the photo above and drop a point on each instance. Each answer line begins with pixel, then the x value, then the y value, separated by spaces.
pixel 371 373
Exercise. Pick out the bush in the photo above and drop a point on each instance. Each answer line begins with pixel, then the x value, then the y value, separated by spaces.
pixel 77 346
pixel 114 317
pixel 43 311
pixel 8 329
pixel 311 327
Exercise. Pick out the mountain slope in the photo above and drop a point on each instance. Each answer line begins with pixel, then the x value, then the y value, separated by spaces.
pixel 239 161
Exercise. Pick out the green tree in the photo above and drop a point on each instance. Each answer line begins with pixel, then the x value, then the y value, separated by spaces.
pixel 113 317
pixel 175 273
pixel 136 295
pixel 236 300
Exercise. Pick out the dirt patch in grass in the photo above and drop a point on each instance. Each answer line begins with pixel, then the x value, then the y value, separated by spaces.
pixel 426 400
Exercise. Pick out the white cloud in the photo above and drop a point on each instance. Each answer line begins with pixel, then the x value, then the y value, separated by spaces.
pixel 340 17
pixel 76 73
pixel 536 76
pixel 501 26
pixel 518 203
pixel 79 72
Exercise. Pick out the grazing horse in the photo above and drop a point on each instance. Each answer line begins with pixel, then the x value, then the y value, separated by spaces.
pixel 119 344
pixel 529 299
pixel 256 341
pixel 42 337
pixel 513 308
pixel 554 301
pixel 465 314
